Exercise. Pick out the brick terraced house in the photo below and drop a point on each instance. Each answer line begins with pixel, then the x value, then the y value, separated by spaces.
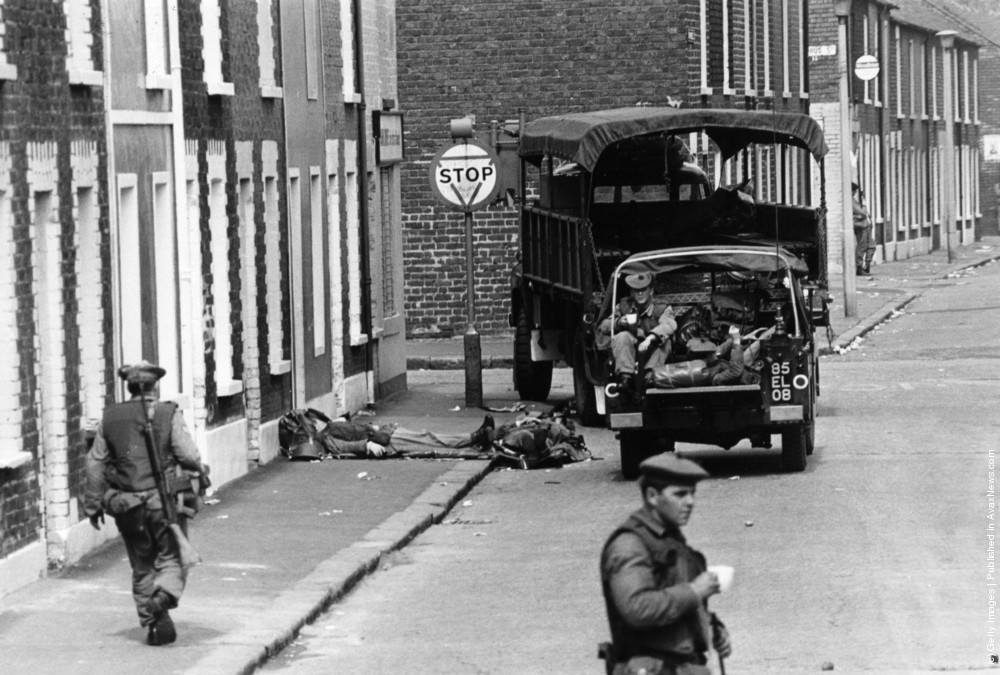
pixel 489 60
pixel 898 124
pixel 195 183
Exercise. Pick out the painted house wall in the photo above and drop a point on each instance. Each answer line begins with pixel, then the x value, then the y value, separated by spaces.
pixel 191 155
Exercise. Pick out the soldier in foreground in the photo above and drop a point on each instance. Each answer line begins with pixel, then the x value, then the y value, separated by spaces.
pixel 122 480
pixel 655 586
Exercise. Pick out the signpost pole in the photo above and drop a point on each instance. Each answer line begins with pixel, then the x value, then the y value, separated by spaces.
pixel 464 176
pixel 842 11
pixel 473 346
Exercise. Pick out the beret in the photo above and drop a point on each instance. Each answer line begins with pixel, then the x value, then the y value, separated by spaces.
pixel 668 467
pixel 639 280
pixel 141 372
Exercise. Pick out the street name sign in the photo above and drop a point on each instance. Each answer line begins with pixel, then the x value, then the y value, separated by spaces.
pixel 465 176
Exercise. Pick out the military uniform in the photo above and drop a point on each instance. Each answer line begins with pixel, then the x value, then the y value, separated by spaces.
pixel 864 246
pixel 655 318
pixel 120 481
pixel 659 623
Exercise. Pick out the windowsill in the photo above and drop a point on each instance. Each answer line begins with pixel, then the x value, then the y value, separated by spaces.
pixel 282 367
pixel 159 81
pixel 14 460
pixel 220 88
pixel 228 388
pixel 358 340
pixel 352 98
pixel 769 93
pixel 8 71
pixel 786 94
pixel 87 78
pixel 271 91
pixel 706 91
pixel 726 91
pixel 750 92
pixel 803 94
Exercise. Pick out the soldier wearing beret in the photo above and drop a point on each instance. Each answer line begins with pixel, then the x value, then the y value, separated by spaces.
pixel 655 586
pixel 641 328
pixel 120 481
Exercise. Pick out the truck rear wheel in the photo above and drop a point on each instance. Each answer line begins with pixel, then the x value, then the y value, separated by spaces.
pixel 532 379
pixel 586 400
pixel 794 445
pixel 635 446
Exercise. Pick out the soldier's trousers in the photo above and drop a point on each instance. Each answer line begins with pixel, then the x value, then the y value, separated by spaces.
pixel 623 348
pixel 154 556
pixel 864 248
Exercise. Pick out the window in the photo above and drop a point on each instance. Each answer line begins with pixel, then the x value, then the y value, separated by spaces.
pixel 786 85
pixel 354 243
pixel 768 90
pixel 316 262
pixel 933 87
pixel 726 53
pixel 975 89
pixel 273 287
pixel 347 52
pixel 265 50
pixel 899 74
pixel 218 224
pixel 749 45
pixel 966 108
pixel 11 454
pixel 157 46
pixel 911 75
pixel 703 47
pixel 129 259
pixel 211 49
pixel 7 71
pixel 923 80
pixel 313 62
pixel 865 48
pixel 167 317
pixel 79 44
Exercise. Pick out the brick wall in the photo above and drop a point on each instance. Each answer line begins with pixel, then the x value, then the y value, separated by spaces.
pixel 488 59
pixel 40 107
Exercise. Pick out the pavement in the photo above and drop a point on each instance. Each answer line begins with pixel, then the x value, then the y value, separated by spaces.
pixel 286 541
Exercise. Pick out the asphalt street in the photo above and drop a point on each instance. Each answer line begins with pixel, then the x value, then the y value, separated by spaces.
pixel 872 560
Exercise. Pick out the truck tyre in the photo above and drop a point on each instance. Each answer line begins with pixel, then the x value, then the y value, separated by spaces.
pixel 793 448
pixel 532 379
pixel 586 401
pixel 635 446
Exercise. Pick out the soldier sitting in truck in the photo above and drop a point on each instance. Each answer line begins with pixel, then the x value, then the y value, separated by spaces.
pixel 642 331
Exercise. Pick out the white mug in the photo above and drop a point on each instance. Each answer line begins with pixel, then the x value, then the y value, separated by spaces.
pixel 725 575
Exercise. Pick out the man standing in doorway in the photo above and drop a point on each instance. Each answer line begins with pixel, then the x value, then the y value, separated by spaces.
pixel 864 247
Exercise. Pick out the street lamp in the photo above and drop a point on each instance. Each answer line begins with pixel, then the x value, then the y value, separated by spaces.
pixel 947 38
pixel 842 9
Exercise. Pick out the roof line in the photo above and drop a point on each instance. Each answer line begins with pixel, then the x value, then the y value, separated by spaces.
pixel 965 23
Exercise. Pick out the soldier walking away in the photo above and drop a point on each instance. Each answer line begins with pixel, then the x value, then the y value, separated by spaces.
pixel 655 586
pixel 864 247
pixel 122 480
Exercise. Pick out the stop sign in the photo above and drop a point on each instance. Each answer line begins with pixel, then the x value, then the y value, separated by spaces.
pixel 465 175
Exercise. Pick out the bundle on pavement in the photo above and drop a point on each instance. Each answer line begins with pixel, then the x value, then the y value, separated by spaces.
pixel 532 441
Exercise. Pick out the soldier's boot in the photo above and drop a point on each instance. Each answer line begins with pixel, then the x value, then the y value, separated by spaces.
pixel 161 631
pixel 484 435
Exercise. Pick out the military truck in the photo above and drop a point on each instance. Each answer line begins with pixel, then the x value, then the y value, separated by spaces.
pixel 609 193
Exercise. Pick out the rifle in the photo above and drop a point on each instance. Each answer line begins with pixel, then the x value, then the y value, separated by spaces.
pixel 188 555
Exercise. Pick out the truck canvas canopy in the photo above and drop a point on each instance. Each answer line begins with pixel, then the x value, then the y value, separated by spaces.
pixel 716 259
pixel 583 137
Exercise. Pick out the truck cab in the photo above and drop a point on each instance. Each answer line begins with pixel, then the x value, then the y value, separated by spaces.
pixel 608 193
